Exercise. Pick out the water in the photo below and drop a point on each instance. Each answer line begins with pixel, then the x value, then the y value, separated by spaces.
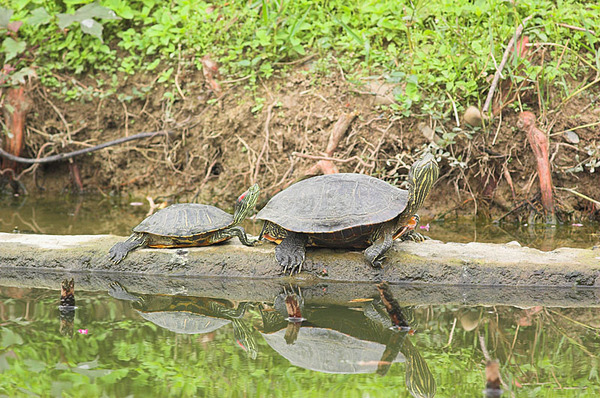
pixel 97 215
pixel 128 343
pixel 141 336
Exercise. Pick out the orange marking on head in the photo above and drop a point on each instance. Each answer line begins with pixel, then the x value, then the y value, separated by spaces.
pixel 412 224
pixel 241 345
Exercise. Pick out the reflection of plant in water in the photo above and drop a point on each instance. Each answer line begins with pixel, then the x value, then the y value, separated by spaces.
pixel 537 346
pixel 129 356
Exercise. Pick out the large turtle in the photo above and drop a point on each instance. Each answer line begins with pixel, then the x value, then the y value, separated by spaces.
pixel 346 211
pixel 189 224
pixel 348 340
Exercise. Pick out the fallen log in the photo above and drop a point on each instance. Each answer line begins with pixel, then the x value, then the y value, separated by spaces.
pixel 429 262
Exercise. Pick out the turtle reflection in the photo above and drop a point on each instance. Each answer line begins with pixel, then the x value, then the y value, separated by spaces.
pixel 191 315
pixel 344 340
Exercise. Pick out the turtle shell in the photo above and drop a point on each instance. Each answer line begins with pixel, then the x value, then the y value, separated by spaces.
pixel 334 202
pixel 185 219
pixel 184 322
pixel 329 351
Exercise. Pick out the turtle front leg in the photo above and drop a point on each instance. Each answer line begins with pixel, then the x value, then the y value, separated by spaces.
pixel 376 252
pixel 238 231
pixel 120 250
pixel 290 253
pixel 118 291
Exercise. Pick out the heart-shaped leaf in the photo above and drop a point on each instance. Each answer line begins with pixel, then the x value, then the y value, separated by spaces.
pixel 39 16
pixel 92 27
pixel 12 48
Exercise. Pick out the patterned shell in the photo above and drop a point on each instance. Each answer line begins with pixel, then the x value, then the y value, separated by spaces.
pixel 185 219
pixel 184 322
pixel 334 202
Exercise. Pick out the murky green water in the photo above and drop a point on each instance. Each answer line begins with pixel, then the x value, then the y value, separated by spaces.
pixel 131 344
pixel 120 343
pixel 97 215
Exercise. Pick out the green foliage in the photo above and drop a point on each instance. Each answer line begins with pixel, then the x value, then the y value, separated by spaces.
pixel 18 28
pixel 125 355
pixel 432 50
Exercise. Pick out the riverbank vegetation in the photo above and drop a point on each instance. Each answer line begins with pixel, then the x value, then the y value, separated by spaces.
pixel 252 90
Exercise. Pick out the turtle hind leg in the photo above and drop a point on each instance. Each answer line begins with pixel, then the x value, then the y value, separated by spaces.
pixel 376 252
pixel 290 253
pixel 120 250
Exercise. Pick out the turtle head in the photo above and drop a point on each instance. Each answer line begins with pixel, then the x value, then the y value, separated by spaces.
pixel 421 177
pixel 245 203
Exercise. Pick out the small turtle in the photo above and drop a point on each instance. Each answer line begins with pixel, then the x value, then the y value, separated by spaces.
pixel 191 315
pixel 189 224
pixel 346 211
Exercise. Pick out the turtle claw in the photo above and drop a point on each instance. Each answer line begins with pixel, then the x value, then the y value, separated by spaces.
pixel 291 262
pixel 117 253
pixel 121 249
pixel 290 253
pixel 414 236
pixel 378 263
pixel 116 290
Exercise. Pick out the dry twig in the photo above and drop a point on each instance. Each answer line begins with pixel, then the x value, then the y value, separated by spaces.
pixel 498 73
pixel 325 164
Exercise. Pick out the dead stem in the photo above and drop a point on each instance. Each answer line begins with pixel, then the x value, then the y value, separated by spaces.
pixel 58 112
pixel 265 148
pixel 451 334
pixel 325 163
pixel 353 158
pixel 574 192
pixel 498 73
pixel 512 346
pixel 539 145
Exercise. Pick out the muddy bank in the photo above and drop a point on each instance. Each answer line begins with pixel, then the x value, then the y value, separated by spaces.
pixel 431 262
pixel 218 149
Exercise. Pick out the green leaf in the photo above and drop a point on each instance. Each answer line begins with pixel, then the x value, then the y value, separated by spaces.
pixel 65 20
pixel 12 48
pixel 153 64
pixel 5 15
pixel 9 338
pixel 34 365
pixel 95 10
pixel 85 13
pixel 165 75
pixel 356 38
pixel 39 16
pixel 92 27
pixel 19 77
pixel 115 376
